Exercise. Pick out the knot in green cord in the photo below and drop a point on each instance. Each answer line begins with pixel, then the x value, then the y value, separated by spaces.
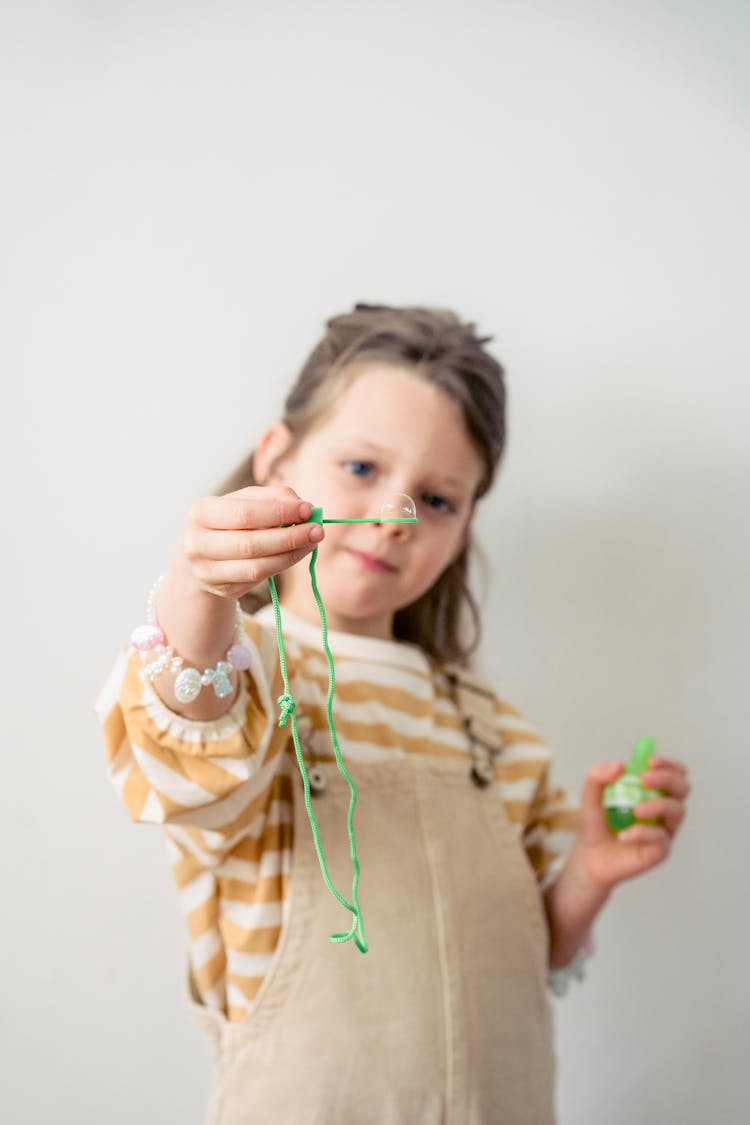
pixel 287 705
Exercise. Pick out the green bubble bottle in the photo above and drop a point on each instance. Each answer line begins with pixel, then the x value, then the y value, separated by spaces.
pixel 621 797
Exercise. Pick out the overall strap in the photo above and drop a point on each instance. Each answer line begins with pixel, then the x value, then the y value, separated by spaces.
pixel 476 703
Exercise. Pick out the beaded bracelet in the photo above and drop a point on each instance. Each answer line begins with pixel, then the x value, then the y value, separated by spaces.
pixel 188 681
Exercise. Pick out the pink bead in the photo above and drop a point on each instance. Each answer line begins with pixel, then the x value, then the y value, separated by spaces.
pixel 146 637
pixel 240 657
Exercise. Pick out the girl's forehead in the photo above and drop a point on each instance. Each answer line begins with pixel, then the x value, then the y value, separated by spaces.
pixel 393 411
pixel 386 392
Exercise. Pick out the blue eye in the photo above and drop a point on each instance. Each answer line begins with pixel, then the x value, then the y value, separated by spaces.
pixel 437 503
pixel 359 468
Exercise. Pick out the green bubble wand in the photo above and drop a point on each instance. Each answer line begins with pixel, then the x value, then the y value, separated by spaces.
pixel 405 505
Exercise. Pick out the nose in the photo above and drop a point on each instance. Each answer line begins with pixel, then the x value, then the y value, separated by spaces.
pixel 399 531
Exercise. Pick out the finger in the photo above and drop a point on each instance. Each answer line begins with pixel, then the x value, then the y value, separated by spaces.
pixel 644 834
pixel 242 512
pixel 244 574
pixel 674 782
pixel 638 855
pixel 229 546
pixel 602 773
pixel 656 761
pixel 671 811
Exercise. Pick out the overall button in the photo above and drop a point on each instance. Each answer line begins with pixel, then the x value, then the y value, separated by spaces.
pixel 318 779
pixel 482 774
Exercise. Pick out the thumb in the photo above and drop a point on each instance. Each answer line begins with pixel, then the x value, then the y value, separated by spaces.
pixel 597 779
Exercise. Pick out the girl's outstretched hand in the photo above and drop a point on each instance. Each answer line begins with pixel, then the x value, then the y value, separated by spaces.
pixel 233 542
pixel 610 858
pixel 230 544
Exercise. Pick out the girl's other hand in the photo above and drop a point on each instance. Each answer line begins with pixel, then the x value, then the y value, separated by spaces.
pixel 610 858
pixel 233 542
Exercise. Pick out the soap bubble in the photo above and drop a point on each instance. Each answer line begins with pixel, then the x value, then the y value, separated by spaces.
pixel 398 506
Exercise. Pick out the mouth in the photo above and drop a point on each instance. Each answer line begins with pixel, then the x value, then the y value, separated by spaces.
pixel 373 563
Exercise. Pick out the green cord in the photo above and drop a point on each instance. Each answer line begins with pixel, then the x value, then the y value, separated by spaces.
pixel 287 704
pixel 373 519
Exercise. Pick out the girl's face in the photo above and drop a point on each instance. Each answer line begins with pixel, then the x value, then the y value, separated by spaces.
pixel 389 432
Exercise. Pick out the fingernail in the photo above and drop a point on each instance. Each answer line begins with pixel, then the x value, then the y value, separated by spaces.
pixel 315 534
pixel 304 510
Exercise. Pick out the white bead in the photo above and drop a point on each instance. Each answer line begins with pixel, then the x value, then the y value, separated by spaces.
pixel 187 686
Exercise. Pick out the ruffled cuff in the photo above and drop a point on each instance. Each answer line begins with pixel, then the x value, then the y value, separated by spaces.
pixel 559 980
pixel 200 733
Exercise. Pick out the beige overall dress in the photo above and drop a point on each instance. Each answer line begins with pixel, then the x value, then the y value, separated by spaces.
pixel 447 1018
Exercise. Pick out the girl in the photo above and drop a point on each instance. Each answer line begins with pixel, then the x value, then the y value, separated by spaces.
pixel 466 898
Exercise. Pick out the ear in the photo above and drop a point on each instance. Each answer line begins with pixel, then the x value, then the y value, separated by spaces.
pixel 270 449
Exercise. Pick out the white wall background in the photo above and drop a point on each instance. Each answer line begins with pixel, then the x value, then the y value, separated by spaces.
pixel 188 190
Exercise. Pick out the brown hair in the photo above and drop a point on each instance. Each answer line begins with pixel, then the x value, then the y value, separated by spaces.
pixel 449 354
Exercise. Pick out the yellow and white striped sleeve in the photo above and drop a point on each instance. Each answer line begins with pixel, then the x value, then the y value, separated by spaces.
pixel 546 818
pixel 550 830
pixel 199 775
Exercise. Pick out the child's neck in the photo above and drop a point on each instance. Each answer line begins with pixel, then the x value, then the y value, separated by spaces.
pixel 304 606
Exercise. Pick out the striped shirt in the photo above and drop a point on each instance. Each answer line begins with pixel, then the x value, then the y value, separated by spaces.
pixel 222 790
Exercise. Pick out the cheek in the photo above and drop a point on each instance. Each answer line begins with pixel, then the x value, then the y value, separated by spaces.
pixel 325 492
pixel 331 543
pixel 439 552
